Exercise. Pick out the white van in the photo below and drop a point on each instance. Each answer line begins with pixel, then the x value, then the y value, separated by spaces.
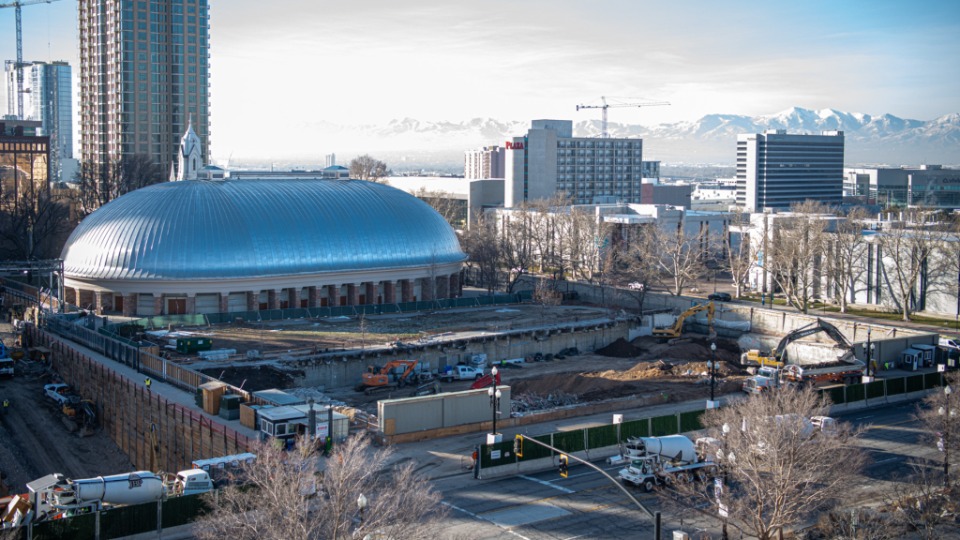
pixel 949 343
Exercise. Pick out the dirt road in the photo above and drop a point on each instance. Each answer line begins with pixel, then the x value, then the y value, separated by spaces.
pixel 34 442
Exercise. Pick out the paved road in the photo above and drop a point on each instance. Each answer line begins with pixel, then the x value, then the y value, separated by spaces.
pixel 586 505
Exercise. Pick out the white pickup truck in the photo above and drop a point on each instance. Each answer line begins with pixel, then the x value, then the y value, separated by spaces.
pixel 461 373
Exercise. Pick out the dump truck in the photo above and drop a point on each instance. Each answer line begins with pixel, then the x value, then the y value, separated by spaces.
pixel 660 460
pixel 768 378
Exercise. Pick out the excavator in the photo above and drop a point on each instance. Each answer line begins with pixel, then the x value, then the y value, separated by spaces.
pixel 387 377
pixel 673 332
pixel 754 357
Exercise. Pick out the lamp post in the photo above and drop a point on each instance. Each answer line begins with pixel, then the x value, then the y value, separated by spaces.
pixel 494 394
pixel 713 369
pixel 946 412
pixel 362 504
pixel 869 331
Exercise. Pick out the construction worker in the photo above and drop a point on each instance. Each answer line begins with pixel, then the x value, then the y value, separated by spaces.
pixel 147 382
pixel 6 405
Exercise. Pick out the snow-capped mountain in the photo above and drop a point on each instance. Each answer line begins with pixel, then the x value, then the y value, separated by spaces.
pixel 883 139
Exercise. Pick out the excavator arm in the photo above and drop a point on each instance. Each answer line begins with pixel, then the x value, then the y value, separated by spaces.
pixel 677 328
pixel 809 330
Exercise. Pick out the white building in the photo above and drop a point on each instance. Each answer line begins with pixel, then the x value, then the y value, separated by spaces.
pixel 483 163
pixel 548 161
pixel 776 169
pixel 928 186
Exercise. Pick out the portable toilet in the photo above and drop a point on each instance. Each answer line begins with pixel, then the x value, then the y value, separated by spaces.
pixel 911 359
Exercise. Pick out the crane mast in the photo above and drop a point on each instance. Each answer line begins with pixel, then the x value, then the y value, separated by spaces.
pixel 605 106
pixel 19 65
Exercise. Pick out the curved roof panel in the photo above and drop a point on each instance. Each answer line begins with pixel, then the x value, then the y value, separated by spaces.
pixel 203 229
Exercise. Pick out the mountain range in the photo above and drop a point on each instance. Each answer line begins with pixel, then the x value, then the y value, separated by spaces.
pixel 869 140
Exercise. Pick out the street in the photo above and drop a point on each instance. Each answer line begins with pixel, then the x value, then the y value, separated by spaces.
pixel 586 505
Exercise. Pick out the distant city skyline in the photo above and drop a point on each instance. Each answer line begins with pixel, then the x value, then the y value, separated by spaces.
pixel 284 75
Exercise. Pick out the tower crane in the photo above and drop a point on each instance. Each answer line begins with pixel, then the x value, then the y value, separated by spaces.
pixel 606 106
pixel 19 65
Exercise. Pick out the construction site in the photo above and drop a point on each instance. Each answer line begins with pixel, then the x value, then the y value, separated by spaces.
pixel 577 356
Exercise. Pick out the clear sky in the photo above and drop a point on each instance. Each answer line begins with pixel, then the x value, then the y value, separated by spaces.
pixel 296 64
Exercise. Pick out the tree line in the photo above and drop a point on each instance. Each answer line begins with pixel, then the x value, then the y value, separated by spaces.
pixel 813 253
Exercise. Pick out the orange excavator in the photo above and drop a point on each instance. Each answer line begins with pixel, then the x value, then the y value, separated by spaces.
pixel 396 373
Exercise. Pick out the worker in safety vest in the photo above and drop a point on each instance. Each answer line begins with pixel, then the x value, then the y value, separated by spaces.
pixel 6 405
pixel 147 382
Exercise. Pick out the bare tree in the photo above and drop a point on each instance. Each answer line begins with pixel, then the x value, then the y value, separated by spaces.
pixel 368 168
pixel 583 238
pixel 481 244
pixel 911 249
pixel 846 256
pixel 798 247
pixel 679 256
pixel 285 495
pixel 738 259
pixel 634 270
pixel 33 224
pixel 445 204
pixel 546 295
pixel 921 503
pixel 940 416
pixel 856 524
pixel 516 244
pixel 102 183
pixel 779 471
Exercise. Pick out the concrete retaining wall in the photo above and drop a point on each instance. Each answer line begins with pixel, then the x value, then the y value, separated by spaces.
pixel 154 433
pixel 346 370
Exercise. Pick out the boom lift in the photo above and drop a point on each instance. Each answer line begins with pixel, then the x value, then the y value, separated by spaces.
pixel 677 328
pixel 775 359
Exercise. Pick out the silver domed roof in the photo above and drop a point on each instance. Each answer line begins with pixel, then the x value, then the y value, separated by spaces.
pixel 257 228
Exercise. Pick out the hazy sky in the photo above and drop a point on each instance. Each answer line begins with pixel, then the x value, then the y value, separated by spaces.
pixel 293 64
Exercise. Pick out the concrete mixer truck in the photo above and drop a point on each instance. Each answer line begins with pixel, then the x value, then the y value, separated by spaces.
pixel 55 496
pixel 660 460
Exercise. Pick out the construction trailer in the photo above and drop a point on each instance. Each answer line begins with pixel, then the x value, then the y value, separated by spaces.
pixel 286 423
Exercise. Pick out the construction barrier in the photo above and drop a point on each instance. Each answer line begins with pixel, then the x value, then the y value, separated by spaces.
pixel 602 441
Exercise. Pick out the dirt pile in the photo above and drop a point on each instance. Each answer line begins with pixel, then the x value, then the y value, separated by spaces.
pixel 620 348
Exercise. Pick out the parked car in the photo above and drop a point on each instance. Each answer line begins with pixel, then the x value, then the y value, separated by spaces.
pixel 720 297
pixel 60 393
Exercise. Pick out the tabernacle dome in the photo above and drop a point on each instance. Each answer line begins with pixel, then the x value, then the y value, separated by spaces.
pixel 199 246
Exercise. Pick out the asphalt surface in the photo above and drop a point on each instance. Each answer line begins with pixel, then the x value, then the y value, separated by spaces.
pixel 545 506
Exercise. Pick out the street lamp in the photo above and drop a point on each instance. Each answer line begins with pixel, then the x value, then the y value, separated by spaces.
pixel 362 504
pixel 946 412
pixel 494 394
pixel 713 369
pixel 869 346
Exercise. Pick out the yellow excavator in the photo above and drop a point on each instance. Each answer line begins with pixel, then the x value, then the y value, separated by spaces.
pixel 673 332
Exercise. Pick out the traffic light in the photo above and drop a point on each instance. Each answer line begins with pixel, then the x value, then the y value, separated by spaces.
pixel 563 466
pixel 518 446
